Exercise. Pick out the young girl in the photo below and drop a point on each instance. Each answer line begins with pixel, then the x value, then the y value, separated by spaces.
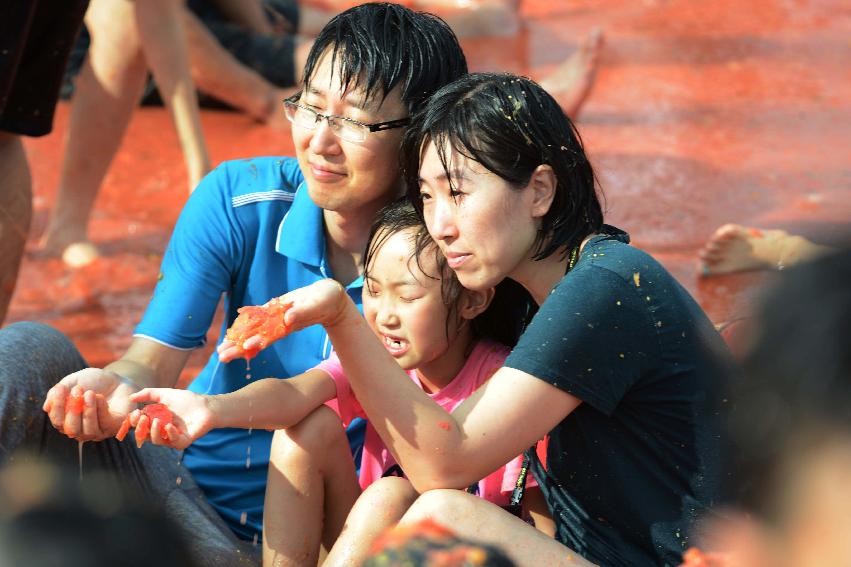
pixel 427 322
pixel 619 365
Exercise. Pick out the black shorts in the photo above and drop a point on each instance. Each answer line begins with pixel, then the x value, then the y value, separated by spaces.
pixel 271 56
pixel 36 37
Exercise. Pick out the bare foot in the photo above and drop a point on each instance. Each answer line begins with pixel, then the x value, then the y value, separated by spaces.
pixel 80 254
pixel 75 250
pixel 736 248
pixel 471 18
pixel 571 81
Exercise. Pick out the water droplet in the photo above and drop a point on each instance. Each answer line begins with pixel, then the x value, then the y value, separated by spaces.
pixel 178 481
pixel 254 543
pixel 80 455
pixel 243 518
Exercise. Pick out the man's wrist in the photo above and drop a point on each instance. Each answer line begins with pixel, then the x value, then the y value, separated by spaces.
pixel 126 381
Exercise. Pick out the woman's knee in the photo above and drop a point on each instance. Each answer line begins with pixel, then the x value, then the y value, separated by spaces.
pixel 383 502
pixel 391 492
pixel 35 351
pixel 436 503
pixel 36 337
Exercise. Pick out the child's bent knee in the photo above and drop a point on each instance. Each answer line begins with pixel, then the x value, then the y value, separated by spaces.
pixel 316 432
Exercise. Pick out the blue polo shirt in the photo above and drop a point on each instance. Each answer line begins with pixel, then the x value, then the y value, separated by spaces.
pixel 248 233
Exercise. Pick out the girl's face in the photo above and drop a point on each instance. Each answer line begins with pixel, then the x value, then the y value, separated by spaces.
pixel 345 176
pixel 404 306
pixel 485 228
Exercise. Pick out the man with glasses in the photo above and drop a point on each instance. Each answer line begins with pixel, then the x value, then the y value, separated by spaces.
pixel 253 229
pixel 345 128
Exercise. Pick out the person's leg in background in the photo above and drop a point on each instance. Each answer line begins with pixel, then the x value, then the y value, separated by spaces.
pixel 35 41
pixel 164 43
pixel 15 214
pixel 108 89
pixel 737 248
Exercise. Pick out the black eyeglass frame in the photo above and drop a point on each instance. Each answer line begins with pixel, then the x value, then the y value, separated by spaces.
pixel 374 127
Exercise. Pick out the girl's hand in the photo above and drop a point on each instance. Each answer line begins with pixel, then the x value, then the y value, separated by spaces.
pixel 320 303
pixel 192 417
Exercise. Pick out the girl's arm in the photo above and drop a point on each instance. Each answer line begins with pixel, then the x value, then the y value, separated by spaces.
pixel 436 449
pixel 271 403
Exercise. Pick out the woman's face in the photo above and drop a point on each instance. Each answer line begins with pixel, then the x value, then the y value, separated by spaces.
pixel 485 228
pixel 345 176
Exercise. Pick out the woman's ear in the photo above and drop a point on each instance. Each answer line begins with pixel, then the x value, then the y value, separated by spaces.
pixel 473 303
pixel 542 184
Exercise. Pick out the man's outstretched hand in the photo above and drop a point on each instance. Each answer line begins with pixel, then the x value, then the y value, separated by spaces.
pixel 89 405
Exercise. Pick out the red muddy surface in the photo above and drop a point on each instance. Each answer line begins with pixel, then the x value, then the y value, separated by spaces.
pixel 703 113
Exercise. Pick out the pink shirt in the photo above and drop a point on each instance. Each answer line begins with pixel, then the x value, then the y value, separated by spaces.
pixel 377 461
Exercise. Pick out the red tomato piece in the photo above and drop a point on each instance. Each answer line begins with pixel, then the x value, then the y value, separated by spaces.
pixel 125 427
pixel 74 403
pixel 142 430
pixel 267 321
pixel 161 412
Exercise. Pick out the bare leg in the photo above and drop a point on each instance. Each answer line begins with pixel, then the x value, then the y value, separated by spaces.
pixel 164 43
pixel 219 74
pixel 312 19
pixel 380 506
pixel 108 89
pixel 311 488
pixel 15 213
pixel 736 248
pixel 469 18
pixel 571 82
pixel 474 518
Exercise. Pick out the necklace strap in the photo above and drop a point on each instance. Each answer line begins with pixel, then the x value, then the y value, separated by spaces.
pixel 572 257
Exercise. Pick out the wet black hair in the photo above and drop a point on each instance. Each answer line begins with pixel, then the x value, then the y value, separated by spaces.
pixel 378 46
pixel 512 306
pixel 795 392
pixel 510 125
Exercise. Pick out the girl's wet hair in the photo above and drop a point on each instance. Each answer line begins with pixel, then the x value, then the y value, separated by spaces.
pixel 503 321
pixel 510 125
pixel 378 46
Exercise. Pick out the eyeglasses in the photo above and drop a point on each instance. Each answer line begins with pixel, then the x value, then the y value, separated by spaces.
pixel 344 128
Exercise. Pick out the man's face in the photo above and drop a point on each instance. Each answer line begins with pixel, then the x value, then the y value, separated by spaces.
pixel 344 176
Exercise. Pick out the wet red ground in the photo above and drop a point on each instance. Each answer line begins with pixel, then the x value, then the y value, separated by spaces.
pixel 703 113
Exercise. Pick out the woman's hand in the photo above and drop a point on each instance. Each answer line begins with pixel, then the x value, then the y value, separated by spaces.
pixel 105 404
pixel 320 303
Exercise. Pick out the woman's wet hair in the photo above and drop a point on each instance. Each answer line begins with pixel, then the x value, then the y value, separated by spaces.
pixel 504 319
pixel 379 46
pixel 510 125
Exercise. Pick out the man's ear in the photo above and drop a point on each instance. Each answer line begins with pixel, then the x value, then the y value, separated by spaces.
pixel 543 184
pixel 473 303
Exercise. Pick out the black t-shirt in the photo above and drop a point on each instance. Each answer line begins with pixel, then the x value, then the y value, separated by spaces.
pixel 640 459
